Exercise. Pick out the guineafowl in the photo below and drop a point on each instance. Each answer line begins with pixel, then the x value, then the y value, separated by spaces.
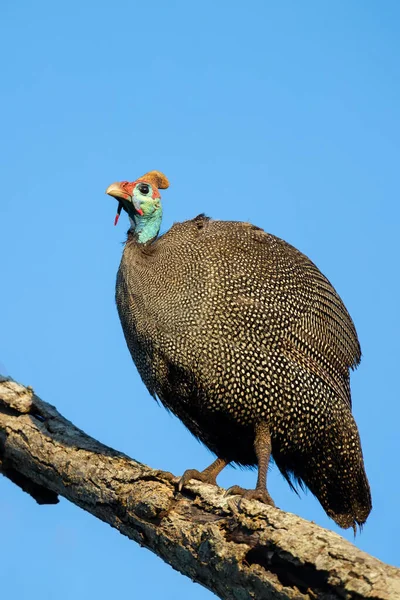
pixel 241 337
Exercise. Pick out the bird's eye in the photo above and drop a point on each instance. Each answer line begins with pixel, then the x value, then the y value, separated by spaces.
pixel 143 188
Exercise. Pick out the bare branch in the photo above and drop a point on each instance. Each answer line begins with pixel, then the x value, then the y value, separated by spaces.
pixel 238 552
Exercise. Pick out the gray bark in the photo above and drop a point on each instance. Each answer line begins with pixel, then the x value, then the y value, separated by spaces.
pixel 239 551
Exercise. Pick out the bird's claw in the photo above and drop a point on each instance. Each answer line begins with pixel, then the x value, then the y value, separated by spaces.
pixel 194 474
pixel 261 495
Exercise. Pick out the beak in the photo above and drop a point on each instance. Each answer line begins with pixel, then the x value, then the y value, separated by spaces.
pixel 116 190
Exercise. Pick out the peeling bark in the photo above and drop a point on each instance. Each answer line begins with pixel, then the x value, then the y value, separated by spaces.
pixel 239 552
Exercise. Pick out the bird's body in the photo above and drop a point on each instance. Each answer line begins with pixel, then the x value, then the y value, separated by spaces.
pixel 237 332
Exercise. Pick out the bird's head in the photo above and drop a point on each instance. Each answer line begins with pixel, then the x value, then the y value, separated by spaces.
pixel 142 201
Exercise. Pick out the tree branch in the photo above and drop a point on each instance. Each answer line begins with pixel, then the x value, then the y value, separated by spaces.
pixel 238 552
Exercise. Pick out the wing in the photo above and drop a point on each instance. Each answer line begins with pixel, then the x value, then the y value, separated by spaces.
pixel 275 286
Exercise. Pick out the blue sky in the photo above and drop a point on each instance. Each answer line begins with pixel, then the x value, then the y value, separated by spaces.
pixel 298 102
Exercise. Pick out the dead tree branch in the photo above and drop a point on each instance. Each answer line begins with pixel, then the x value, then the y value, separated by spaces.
pixel 241 552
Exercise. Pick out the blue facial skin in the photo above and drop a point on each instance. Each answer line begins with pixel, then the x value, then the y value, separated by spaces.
pixel 146 225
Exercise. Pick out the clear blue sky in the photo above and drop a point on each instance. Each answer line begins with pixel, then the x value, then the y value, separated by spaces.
pixel 300 98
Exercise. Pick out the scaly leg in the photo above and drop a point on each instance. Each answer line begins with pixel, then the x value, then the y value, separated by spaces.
pixel 209 475
pixel 262 447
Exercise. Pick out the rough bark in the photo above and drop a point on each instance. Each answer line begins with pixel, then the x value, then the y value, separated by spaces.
pixel 238 551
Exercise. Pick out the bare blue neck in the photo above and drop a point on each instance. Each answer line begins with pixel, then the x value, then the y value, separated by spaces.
pixel 146 227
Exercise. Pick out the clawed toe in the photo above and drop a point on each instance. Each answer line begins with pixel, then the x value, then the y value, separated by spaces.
pixel 235 490
pixel 260 495
pixel 209 475
pixel 194 474
pixel 257 494
pixel 187 476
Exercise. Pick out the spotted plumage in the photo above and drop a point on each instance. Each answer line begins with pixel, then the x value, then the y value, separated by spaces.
pixel 242 337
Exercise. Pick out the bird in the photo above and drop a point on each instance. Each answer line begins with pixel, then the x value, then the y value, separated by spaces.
pixel 241 336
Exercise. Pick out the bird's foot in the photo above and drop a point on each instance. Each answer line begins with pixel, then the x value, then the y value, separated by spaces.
pixel 258 494
pixel 198 475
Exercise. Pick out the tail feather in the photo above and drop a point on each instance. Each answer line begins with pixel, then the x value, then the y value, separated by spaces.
pixel 332 467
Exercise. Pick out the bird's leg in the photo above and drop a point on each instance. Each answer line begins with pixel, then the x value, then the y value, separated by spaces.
pixel 209 475
pixel 262 447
